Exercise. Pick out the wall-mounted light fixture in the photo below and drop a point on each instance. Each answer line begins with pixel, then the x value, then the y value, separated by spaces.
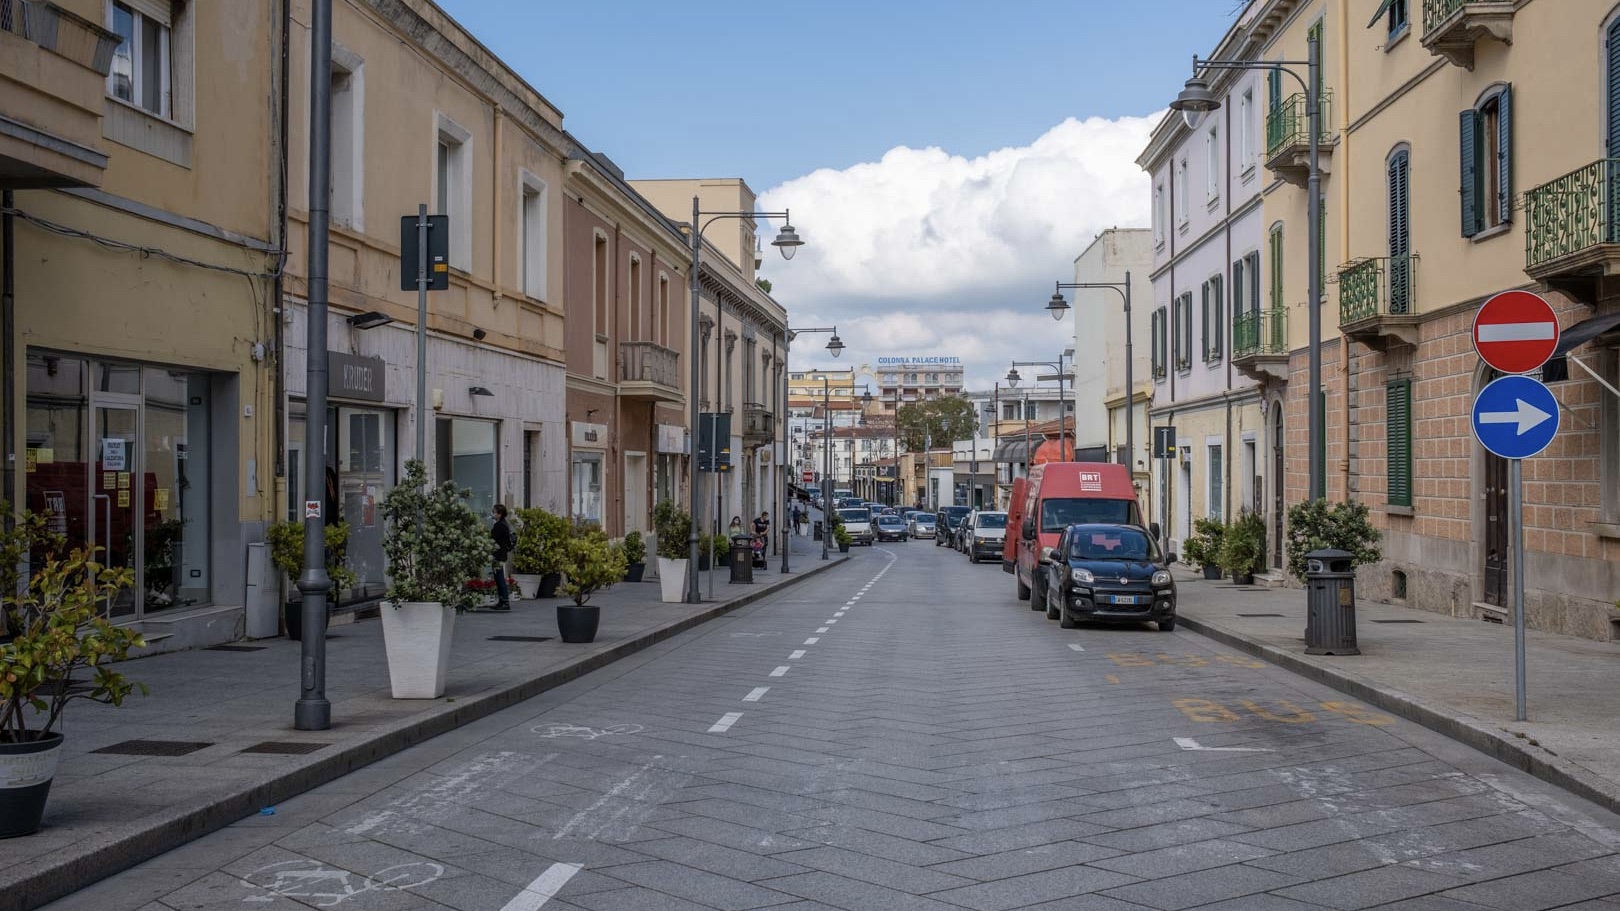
pixel 370 319
pixel 479 334
pixel 479 390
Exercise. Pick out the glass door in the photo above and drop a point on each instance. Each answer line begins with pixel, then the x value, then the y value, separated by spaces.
pixel 116 501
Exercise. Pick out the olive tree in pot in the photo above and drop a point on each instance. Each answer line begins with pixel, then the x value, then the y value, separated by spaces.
pixel 635 556
pixel 842 536
pixel 1316 525
pixel 673 526
pixel 434 543
pixel 591 563
pixel 286 541
pixel 1202 548
pixel 537 558
pixel 1242 546
pixel 57 628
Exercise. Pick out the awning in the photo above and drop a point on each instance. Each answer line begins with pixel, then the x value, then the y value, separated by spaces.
pixel 1015 450
pixel 1556 370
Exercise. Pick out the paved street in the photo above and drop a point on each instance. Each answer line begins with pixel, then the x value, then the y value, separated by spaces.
pixel 900 734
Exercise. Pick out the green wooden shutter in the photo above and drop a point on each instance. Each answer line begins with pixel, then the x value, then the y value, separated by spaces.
pixel 1400 236
pixel 1276 267
pixel 1398 436
pixel 1274 97
pixel 1205 314
pixel 1468 160
pixel 1216 326
pixel 1614 90
pixel 1237 291
pixel 1504 153
pixel 1186 330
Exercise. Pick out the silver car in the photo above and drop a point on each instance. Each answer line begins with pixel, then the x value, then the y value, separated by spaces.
pixel 920 524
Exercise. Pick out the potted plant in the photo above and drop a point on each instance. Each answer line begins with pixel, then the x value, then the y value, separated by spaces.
pixel 1315 525
pixel 286 540
pixel 1242 546
pixel 591 563
pixel 842 536
pixel 434 543
pixel 635 556
pixel 57 629
pixel 673 526
pixel 720 546
pixel 1203 547
pixel 537 556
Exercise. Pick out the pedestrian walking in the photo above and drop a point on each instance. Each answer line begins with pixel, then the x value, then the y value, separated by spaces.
pixel 504 539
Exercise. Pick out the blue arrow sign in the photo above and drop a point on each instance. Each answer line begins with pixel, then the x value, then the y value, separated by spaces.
pixel 1515 417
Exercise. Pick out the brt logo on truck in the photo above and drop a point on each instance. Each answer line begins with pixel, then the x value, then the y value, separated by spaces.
pixel 1091 480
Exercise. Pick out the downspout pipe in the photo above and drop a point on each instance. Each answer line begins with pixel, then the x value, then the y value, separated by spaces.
pixel 8 340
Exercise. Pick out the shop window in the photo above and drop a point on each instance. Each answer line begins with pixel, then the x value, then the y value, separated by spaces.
pixel 465 453
pixel 587 486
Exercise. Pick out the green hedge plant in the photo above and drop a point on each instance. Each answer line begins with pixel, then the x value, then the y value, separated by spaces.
pixel 1203 546
pixel 1243 545
pixel 542 539
pixel 635 550
pixel 673 526
pixel 1315 524
pixel 286 540
pixel 434 541
pixel 591 563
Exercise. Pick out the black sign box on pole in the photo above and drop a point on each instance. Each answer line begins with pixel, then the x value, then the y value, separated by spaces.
pixel 714 441
pixel 1164 442
pixel 438 253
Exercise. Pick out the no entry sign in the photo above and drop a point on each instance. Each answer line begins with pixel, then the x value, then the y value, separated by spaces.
pixel 1515 332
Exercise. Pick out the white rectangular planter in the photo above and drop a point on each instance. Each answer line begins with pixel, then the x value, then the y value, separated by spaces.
pixel 671 580
pixel 417 636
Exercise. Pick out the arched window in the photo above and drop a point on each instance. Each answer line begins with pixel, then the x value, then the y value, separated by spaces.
pixel 1486 147
pixel 1400 231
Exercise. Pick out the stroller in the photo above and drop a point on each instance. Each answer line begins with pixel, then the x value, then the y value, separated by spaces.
pixel 758 548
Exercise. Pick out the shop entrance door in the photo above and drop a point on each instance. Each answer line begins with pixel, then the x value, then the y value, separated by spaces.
pixel 635 491
pixel 115 505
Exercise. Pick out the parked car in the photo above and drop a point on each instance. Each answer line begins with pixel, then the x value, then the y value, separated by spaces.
pixel 1057 495
pixel 858 522
pixel 984 534
pixel 889 528
pixel 1113 573
pixel 946 522
pixel 920 524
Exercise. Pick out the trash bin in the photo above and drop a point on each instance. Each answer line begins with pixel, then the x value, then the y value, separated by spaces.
pixel 818 531
pixel 742 558
pixel 1330 619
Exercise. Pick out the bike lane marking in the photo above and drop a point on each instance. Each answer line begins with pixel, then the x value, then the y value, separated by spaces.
pixel 544 888
pixel 1076 646
pixel 725 722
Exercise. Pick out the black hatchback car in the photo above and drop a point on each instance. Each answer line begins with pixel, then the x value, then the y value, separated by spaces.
pixel 1109 573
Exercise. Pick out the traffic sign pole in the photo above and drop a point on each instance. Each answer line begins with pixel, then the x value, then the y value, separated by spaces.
pixel 1516 508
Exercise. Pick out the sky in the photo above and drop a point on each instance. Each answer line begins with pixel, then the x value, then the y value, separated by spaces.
pixel 945 160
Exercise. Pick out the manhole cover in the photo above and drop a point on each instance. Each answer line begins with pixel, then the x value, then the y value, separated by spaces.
pixel 286 747
pixel 1397 621
pixel 520 638
pixel 235 648
pixel 153 748
pixel 1262 615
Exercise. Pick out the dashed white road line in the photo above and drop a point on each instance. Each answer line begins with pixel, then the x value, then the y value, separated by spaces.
pixel 544 888
pixel 1076 646
pixel 756 694
pixel 725 722
pixel 822 629
pixel 839 613
pixel 812 640
pixel 782 671
pixel 831 620
pixel 797 654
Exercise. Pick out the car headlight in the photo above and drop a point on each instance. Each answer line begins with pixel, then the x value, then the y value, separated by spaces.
pixel 1082 576
pixel 1162 577
pixel 1046 555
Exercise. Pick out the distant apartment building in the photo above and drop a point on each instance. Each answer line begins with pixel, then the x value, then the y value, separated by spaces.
pixel 904 380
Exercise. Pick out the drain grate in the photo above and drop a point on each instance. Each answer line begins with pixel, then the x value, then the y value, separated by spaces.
pixel 154 748
pixel 1262 615
pixel 1397 621
pixel 520 638
pixel 287 747
pixel 235 648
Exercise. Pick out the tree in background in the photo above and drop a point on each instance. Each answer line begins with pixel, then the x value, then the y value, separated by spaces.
pixel 940 422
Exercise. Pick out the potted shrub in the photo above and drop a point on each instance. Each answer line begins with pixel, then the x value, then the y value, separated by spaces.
pixel 286 540
pixel 635 556
pixel 720 546
pixel 842 536
pixel 673 526
pixel 591 563
pixel 1203 547
pixel 57 628
pixel 434 543
pixel 1242 546
pixel 537 556
pixel 1314 525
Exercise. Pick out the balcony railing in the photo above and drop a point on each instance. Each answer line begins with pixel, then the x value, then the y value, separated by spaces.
pixel 62 32
pixel 646 362
pixel 1288 124
pixel 1377 286
pixel 1572 213
pixel 1260 332
pixel 1451 28
pixel 758 421
pixel 1436 12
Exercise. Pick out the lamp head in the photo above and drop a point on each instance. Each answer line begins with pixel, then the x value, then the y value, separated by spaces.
pixel 1195 101
pixel 1057 306
pixel 836 346
pixel 787 240
pixel 1013 379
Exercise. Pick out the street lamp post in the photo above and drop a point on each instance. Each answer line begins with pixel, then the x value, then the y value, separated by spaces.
pixel 1063 397
pixel 1057 306
pixel 787 240
pixel 1194 102
pixel 835 346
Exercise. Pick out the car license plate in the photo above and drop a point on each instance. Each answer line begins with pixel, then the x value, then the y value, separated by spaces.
pixel 1124 599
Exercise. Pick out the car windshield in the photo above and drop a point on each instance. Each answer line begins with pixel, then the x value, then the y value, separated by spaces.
pixel 1112 544
pixel 925 520
pixel 1057 515
pixel 992 520
pixel 890 520
pixel 855 515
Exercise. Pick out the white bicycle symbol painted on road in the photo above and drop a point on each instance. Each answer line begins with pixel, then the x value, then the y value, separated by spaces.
pixel 327 887
pixel 586 733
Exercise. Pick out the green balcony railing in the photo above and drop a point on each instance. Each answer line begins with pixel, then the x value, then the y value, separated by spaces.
pixel 1436 12
pixel 1572 213
pixel 1377 286
pixel 1288 124
pixel 1260 332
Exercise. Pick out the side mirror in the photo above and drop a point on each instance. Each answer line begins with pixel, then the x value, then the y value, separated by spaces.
pixel 1029 528
pixel 1173 557
pixel 1156 532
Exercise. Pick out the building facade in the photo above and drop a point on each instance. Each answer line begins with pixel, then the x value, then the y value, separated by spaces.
pixel 904 380
pixel 1099 359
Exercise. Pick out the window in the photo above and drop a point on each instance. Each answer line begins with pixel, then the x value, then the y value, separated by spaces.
pixel 142 68
pixel 1158 214
pixel 1398 441
pixel 1159 334
pixel 1245 136
pixel 587 486
pixel 1253 272
pixel 1608 365
pixel 465 452
pixel 662 318
pixel 452 187
pixel 599 285
pixel 532 236
pixel 1238 278
pixel 1214 318
pixel 1215 505
pixel 1397 17
pixel 636 316
pixel 1400 232
pixel 1181 193
pixel 1212 164
pixel 348 139
pixel 1275 253
pixel 1486 145
pixel 1182 323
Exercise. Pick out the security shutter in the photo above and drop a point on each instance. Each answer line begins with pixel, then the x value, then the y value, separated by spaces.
pixel 1400 236
pixel 1398 436
pixel 1504 153
pixel 162 11
pixel 1468 154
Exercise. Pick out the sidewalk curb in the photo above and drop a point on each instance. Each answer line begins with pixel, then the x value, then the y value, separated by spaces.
pixel 74 867
pixel 1463 728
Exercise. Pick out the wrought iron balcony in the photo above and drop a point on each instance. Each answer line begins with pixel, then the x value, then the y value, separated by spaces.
pixel 1378 300
pixel 53 67
pixel 649 371
pixel 1288 138
pixel 1451 28
pixel 1260 344
pixel 759 424
pixel 1572 228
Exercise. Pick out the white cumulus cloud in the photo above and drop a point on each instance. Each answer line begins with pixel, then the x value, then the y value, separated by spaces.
pixel 927 253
